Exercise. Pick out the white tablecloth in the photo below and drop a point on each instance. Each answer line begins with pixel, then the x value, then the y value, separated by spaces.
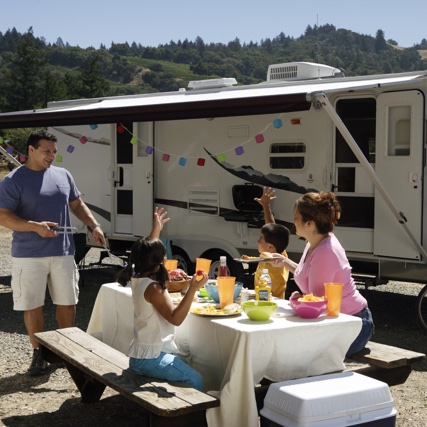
pixel 235 353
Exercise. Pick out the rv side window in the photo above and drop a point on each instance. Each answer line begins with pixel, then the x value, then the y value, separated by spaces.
pixel 399 131
pixel 287 155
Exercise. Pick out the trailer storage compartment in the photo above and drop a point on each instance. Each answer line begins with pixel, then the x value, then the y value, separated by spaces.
pixel 334 400
pixel 248 210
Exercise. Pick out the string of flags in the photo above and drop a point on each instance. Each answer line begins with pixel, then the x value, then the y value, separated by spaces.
pixel 166 156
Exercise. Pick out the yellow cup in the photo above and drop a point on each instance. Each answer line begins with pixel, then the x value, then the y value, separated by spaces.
pixel 333 293
pixel 171 264
pixel 203 264
pixel 226 286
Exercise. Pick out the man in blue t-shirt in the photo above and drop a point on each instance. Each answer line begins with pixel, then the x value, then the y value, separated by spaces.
pixel 35 202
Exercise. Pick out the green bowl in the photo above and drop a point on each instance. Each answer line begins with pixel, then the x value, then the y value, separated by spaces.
pixel 203 293
pixel 259 310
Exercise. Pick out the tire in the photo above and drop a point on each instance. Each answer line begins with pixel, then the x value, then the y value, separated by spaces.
pixel 234 269
pixel 422 308
pixel 184 262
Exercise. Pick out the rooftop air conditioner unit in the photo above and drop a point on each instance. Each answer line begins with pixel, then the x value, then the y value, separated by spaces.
pixel 301 71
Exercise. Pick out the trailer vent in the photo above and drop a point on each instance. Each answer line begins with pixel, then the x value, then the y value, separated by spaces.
pixel 203 201
pixel 212 83
pixel 301 71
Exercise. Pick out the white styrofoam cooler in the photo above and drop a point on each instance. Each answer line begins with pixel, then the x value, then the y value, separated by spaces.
pixel 334 400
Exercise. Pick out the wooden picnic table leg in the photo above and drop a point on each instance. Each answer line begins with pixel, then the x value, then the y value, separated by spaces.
pixel 90 389
pixel 192 419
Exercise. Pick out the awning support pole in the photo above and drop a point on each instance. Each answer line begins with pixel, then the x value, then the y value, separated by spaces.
pixel 400 216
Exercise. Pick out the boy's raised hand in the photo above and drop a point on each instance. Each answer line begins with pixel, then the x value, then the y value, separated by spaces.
pixel 267 196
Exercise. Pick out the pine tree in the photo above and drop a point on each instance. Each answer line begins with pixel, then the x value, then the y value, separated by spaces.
pixel 23 76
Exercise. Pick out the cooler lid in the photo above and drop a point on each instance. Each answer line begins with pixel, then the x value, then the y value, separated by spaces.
pixel 325 397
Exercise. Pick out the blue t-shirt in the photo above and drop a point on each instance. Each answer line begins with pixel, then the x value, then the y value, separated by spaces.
pixel 40 196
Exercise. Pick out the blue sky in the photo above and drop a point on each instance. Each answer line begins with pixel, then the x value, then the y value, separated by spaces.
pixel 92 22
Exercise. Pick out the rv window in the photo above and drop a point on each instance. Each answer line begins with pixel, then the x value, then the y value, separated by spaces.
pixel 346 180
pixel 124 148
pixel 359 116
pixel 399 131
pixel 124 202
pixel 287 155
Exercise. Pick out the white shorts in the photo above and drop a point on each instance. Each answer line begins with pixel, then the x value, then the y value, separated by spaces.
pixel 30 276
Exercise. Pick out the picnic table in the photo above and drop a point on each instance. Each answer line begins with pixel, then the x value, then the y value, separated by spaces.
pixel 234 353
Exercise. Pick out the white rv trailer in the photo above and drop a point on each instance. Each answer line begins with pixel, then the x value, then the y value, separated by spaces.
pixel 205 153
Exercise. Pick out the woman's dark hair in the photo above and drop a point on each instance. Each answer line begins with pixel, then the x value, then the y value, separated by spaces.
pixel 145 260
pixel 277 235
pixel 323 208
pixel 35 138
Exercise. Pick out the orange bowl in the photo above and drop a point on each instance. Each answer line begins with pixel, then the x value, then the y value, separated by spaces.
pixel 177 286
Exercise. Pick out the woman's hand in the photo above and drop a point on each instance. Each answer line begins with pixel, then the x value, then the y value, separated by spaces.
pixel 282 261
pixel 278 261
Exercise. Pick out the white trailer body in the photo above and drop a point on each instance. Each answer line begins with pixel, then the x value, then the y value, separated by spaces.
pixel 361 137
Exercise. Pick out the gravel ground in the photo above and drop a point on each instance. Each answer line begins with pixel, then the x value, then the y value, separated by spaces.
pixel 54 400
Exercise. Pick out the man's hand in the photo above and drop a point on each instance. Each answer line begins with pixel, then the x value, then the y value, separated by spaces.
pixel 44 228
pixel 98 236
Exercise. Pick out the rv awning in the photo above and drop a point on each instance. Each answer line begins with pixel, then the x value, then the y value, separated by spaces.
pixel 224 102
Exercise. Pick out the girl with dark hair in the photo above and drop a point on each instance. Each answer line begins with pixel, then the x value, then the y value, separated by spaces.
pixel 151 350
pixel 324 259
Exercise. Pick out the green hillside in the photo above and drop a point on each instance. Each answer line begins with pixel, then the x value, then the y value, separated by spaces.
pixel 33 72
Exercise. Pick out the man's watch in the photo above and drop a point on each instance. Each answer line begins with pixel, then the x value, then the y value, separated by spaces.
pixel 93 226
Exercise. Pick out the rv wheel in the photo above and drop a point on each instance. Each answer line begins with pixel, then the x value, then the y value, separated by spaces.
pixel 184 262
pixel 422 308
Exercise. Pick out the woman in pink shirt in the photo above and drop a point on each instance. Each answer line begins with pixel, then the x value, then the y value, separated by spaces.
pixel 324 259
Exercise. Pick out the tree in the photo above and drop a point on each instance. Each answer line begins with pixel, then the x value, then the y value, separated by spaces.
pixel 54 87
pixel 93 82
pixel 23 77
pixel 380 43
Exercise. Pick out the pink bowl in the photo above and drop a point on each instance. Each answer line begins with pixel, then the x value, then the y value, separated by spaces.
pixel 308 309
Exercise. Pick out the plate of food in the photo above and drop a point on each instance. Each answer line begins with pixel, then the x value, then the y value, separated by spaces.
pixel 264 256
pixel 215 310
pixel 176 297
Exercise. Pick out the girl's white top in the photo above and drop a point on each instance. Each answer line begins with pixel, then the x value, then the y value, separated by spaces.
pixel 152 333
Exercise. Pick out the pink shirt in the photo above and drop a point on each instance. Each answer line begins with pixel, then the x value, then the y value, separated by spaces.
pixel 328 263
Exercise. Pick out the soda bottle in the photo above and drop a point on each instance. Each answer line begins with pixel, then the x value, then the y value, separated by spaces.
pixel 263 290
pixel 222 270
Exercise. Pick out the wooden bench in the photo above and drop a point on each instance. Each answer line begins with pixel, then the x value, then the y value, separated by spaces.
pixel 391 365
pixel 94 365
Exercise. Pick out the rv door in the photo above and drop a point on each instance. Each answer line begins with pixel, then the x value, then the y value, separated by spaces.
pixel 133 180
pixel 399 165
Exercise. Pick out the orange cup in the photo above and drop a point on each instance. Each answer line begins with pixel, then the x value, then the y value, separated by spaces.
pixel 333 293
pixel 226 286
pixel 203 264
pixel 171 264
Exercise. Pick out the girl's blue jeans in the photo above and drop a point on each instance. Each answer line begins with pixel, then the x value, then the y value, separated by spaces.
pixel 167 367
